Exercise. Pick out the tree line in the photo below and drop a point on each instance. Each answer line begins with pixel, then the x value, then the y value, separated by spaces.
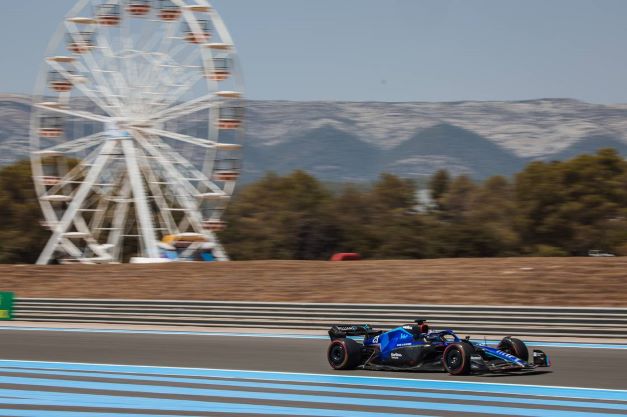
pixel 549 209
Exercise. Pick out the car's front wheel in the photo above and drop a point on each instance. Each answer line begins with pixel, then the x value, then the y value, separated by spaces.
pixel 344 354
pixel 456 358
pixel 514 347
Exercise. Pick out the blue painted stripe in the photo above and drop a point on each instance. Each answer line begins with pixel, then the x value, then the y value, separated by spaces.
pixel 91 400
pixel 490 388
pixel 53 399
pixel 580 345
pixel 327 389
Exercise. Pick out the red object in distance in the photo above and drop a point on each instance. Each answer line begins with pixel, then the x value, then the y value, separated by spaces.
pixel 346 257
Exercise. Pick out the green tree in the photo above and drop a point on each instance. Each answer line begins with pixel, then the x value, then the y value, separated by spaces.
pixel 391 192
pixel 456 202
pixel 439 184
pixel 21 235
pixel 492 206
pixel 281 218
pixel 354 216
pixel 575 205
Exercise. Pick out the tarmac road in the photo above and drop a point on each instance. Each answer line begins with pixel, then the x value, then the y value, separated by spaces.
pixel 267 359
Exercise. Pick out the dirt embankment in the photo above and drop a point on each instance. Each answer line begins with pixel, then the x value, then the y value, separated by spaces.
pixel 501 281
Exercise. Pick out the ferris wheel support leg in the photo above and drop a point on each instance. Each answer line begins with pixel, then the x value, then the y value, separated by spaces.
pixel 219 252
pixel 119 221
pixel 145 223
pixel 77 202
pixel 71 248
pixel 165 217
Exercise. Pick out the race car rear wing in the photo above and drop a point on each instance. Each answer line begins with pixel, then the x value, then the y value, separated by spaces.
pixel 339 331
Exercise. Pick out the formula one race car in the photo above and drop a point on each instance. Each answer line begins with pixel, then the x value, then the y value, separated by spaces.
pixel 416 347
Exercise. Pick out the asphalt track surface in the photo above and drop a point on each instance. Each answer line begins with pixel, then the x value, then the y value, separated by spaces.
pixel 93 374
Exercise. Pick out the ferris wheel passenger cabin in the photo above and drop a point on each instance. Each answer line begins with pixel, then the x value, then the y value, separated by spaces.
pixel 53 167
pixel 221 69
pixel 138 7
pixel 214 225
pixel 80 42
pixel 169 11
pixel 227 169
pixel 50 180
pixel 213 222
pixel 108 14
pixel 193 36
pixel 51 127
pixel 231 117
pixel 59 83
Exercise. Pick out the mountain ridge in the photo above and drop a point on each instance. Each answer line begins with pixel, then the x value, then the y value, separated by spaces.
pixel 355 141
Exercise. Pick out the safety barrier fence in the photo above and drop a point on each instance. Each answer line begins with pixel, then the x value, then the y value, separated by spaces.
pixel 476 320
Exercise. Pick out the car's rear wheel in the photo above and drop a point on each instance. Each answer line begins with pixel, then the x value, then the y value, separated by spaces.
pixel 456 358
pixel 344 354
pixel 514 347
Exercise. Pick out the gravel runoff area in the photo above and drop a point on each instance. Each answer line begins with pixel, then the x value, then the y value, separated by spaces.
pixel 494 281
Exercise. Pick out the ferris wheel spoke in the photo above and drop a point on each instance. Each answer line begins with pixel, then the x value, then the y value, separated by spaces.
pixel 165 44
pixel 112 104
pixel 188 82
pixel 81 86
pixel 205 143
pixel 164 75
pixel 184 189
pixel 170 92
pixel 167 61
pixel 94 69
pixel 201 177
pixel 127 65
pixel 174 176
pixel 191 106
pixel 75 145
pixel 152 42
pixel 118 84
pixel 77 113
pixel 181 89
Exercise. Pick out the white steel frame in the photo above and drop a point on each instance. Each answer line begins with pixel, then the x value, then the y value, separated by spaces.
pixel 137 82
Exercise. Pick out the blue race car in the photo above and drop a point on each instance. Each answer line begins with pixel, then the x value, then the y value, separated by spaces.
pixel 416 347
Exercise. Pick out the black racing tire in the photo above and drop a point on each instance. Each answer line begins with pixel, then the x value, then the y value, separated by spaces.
pixel 344 354
pixel 456 358
pixel 514 347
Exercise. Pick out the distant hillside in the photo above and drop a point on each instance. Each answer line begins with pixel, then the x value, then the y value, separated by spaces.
pixel 14 126
pixel 343 141
pixel 589 145
pixel 326 151
pixel 461 150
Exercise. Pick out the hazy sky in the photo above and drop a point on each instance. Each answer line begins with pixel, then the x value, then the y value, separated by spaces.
pixel 389 50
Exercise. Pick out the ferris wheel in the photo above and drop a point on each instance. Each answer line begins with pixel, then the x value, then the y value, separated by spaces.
pixel 136 129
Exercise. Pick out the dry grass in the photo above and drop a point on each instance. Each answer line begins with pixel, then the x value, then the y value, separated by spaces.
pixel 501 281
